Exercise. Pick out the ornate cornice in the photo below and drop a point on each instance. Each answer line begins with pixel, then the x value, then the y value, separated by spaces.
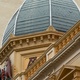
pixel 63 41
pixel 30 40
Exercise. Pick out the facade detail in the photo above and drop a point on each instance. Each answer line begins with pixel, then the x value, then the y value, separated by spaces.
pixel 41 42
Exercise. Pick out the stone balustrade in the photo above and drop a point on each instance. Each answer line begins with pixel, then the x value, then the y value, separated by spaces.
pixel 67 37
pixel 35 67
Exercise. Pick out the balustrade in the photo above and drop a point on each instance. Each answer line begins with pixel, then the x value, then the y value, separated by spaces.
pixel 67 39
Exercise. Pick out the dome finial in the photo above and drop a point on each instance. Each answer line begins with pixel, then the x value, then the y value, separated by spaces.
pixel 11 35
pixel 50 28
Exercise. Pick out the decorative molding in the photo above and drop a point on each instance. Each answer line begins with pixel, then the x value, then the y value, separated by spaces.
pixel 18 42
pixel 61 43
pixel 50 28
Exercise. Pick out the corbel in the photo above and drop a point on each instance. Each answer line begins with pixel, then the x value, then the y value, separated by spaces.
pixel 34 39
pixel 14 43
pixel 67 39
pixel 75 31
pixel 38 65
pixel 64 42
pixel 34 69
pixel 11 44
pixel 27 40
pixel 41 62
pixel 49 37
pixel 20 41
pixel 60 46
pixel 31 71
pixel 71 35
pixel 44 59
pixel 41 38
pixel 29 74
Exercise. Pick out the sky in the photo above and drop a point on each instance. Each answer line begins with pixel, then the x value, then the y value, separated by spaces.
pixel 7 9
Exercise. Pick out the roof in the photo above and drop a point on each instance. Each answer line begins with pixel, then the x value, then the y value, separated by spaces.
pixel 36 15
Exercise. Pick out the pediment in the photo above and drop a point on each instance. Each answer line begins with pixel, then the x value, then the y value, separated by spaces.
pixel 67 72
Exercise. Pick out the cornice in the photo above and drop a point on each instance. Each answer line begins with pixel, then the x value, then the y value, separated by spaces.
pixel 67 37
pixel 16 43
pixel 68 32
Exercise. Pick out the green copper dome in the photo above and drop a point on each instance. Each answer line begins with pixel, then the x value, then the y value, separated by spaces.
pixel 38 15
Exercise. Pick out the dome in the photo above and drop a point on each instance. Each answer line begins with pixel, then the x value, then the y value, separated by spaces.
pixel 37 15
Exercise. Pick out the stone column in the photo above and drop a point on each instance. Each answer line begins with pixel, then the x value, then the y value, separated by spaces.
pixel 76 75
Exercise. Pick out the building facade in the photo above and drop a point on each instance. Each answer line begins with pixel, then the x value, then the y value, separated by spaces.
pixel 41 42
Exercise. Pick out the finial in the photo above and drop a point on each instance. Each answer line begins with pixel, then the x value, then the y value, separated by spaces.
pixel 11 35
pixel 50 28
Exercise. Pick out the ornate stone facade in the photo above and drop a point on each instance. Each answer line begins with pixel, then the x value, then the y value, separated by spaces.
pixel 57 52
